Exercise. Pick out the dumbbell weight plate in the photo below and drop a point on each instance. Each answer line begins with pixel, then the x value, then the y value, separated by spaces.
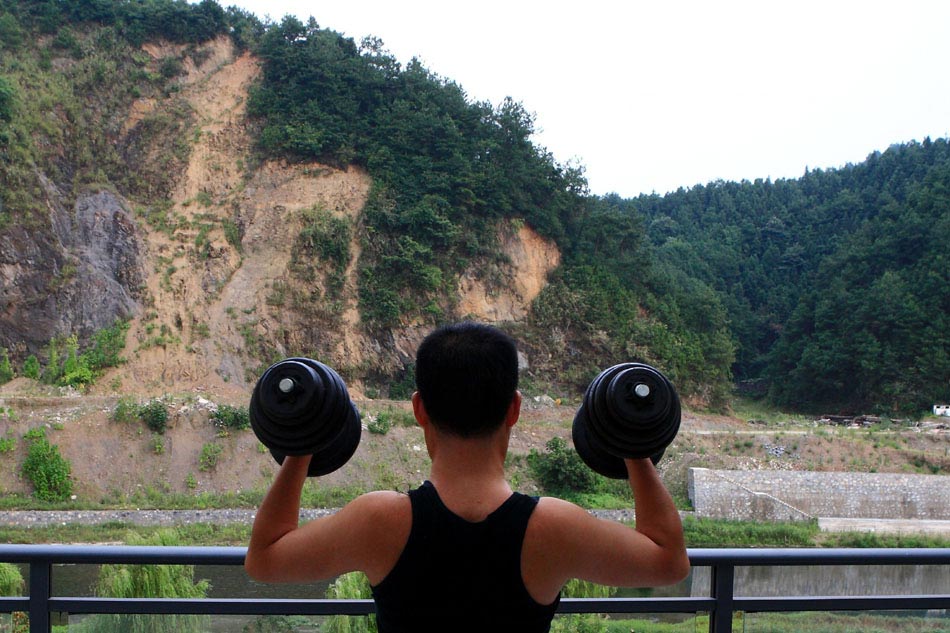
pixel 597 459
pixel 629 410
pixel 334 455
pixel 638 411
pixel 301 407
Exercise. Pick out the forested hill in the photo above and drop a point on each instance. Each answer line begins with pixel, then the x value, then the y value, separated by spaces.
pixel 803 285
pixel 837 284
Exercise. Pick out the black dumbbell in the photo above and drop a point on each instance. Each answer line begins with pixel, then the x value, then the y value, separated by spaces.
pixel 300 406
pixel 630 410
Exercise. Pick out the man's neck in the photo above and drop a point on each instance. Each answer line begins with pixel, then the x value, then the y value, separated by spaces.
pixel 469 474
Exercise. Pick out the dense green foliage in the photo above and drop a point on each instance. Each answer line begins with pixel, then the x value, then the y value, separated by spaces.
pixel 173 20
pixel 46 469
pixel 836 285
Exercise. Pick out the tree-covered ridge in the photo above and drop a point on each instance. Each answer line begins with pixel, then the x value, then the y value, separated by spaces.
pixel 448 171
pixel 835 283
pixel 445 169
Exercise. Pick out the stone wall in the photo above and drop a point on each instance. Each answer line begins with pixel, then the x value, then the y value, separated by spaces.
pixel 799 495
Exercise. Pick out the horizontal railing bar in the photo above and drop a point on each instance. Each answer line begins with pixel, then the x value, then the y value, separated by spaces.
pixel 699 557
pixel 237 606
pixel 777 556
pixel 213 606
pixel 129 554
pixel 636 605
pixel 843 603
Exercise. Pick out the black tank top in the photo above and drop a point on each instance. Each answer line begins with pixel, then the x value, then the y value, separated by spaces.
pixel 455 575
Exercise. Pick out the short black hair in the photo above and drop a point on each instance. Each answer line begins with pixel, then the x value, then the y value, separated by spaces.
pixel 467 375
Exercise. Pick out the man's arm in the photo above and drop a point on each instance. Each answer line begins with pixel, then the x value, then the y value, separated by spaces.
pixel 367 535
pixel 565 541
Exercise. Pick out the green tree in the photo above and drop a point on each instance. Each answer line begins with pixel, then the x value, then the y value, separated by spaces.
pixel 8 97
pixel 76 371
pixel 6 369
pixel 31 367
pixel 149 581
pixel 350 586
pixel 11 580
pixel 11 34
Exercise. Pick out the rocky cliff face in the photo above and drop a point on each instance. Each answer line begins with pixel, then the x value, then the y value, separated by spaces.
pixel 77 275
pixel 215 290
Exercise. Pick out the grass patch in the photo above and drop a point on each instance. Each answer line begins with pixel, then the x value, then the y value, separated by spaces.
pixel 865 539
pixel 722 533
pixel 806 622
pixel 119 532
pixel 759 411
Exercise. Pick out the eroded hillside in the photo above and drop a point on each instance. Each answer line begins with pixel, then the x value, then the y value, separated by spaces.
pixel 223 289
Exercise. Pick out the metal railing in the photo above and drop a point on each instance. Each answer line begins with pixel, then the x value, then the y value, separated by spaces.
pixel 720 604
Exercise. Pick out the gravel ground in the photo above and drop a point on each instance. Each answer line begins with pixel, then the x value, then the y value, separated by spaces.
pixel 37 518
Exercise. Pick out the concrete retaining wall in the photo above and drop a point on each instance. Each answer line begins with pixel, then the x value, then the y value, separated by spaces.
pixel 797 495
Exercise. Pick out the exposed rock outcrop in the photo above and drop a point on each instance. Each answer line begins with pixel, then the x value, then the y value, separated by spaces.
pixel 78 275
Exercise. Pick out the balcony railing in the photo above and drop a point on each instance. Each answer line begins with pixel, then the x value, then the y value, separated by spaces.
pixel 720 604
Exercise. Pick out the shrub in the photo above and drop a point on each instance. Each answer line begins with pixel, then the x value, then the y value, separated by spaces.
pixel 126 410
pixel 155 415
pixel 210 453
pixel 560 469
pixel 381 424
pixel 229 417
pixel 7 444
pixel 46 469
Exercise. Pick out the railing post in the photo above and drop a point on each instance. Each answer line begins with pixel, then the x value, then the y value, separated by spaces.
pixel 40 590
pixel 722 589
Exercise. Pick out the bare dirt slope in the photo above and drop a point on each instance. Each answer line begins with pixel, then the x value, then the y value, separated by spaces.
pixel 221 298
pixel 207 293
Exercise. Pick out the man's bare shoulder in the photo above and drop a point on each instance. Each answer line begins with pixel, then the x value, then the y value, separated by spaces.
pixel 554 515
pixel 554 507
pixel 383 505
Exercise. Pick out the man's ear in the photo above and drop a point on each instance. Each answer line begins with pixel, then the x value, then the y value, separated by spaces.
pixel 514 410
pixel 419 410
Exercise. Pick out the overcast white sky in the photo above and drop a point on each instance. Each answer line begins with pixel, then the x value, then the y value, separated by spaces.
pixel 651 96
